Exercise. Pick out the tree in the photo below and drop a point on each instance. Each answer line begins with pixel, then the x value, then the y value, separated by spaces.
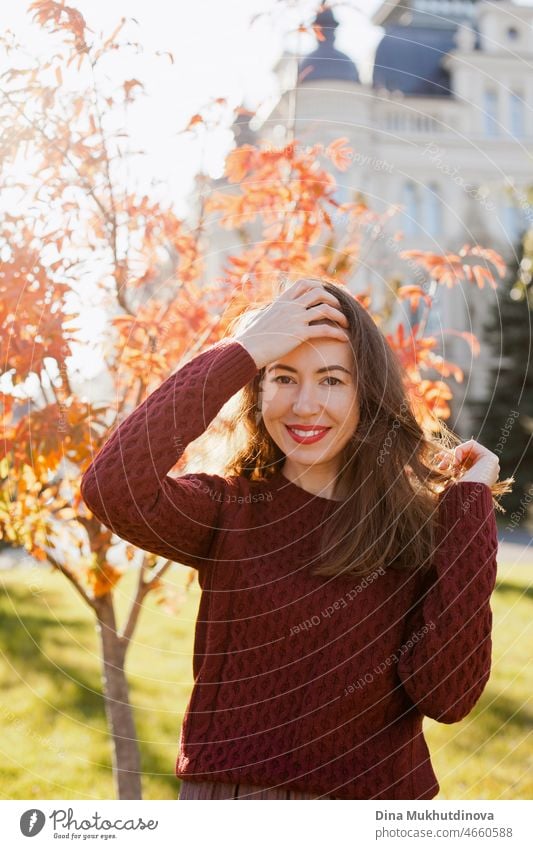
pixel 506 422
pixel 76 217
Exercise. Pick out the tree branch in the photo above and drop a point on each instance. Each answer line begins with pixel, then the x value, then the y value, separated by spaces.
pixel 158 573
pixel 73 580
pixel 127 632
pixel 143 588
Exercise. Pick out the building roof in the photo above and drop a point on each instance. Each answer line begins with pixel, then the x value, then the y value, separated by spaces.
pixel 326 62
pixel 409 59
pixel 418 34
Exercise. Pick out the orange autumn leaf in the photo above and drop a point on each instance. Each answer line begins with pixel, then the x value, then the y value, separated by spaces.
pixel 450 269
pixel 67 18
pixel 165 53
pixel 196 119
pixel 340 153
pixel 129 85
pixel 102 578
pixel 488 254
pixel 472 340
pixel 414 294
pixel 239 162
pixel 482 275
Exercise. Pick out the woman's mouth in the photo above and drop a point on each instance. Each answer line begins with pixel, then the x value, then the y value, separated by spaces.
pixel 306 434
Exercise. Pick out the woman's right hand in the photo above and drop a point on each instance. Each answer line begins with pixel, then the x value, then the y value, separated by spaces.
pixel 285 323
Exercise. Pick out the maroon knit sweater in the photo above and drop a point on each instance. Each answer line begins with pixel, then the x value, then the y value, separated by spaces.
pixel 316 684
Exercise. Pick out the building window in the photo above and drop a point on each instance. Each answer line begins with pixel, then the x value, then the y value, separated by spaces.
pixel 433 210
pixel 490 112
pixel 516 109
pixel 513 221
pixel 411 212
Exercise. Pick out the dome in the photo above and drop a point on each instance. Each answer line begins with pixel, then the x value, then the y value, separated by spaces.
pixel 326 62
pixel 409 59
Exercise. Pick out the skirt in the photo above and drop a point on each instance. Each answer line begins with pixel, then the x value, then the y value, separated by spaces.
pixel 221 790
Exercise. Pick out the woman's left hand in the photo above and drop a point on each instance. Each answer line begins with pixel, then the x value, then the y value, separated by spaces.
pixel 481 464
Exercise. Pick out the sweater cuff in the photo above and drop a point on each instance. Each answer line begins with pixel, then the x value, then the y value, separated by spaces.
pixel 466 498
pixel 239 365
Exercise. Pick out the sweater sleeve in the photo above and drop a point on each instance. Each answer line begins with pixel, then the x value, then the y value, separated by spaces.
pixel 447 641
pixel 127 486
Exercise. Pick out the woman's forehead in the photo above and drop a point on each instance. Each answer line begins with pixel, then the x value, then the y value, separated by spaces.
pixel 318 353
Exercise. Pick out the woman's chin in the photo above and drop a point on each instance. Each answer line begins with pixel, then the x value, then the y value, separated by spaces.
pixel 307 455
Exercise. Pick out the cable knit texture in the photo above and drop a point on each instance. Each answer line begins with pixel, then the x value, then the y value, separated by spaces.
pixel 315 684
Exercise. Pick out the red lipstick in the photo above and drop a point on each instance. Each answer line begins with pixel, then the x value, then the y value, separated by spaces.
pixel 297 432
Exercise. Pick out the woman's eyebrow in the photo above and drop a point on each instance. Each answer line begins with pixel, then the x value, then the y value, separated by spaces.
pixel 318 371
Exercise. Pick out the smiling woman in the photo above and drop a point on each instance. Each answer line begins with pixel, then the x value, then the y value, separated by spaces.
pixel 345 591
pixel 336 419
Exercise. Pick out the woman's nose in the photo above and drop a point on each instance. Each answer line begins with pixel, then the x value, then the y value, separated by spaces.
pixel 306 402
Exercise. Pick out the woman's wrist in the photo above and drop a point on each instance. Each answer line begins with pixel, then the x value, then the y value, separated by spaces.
pixel 252 349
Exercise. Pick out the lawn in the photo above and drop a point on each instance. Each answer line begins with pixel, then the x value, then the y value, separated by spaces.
pixel 55 744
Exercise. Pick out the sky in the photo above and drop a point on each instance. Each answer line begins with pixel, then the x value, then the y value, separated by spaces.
pixel 217 53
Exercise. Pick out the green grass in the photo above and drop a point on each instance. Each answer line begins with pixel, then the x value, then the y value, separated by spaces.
pixel 489 754
pixel 55 744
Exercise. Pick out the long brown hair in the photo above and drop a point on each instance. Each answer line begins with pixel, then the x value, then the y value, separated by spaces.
pixel 388 468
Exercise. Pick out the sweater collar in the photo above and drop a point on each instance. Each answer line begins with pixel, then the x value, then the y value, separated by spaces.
pixel 296 492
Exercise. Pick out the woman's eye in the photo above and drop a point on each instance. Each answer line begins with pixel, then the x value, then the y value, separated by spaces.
pixel 282 377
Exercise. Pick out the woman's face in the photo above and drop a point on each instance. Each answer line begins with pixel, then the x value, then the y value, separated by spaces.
pixel 309 403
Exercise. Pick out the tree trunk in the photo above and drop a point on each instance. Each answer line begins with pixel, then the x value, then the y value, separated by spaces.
pixel 126 755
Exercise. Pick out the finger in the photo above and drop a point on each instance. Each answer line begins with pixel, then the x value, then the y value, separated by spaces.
pixel 463 446
pixel 311 293
pixel 300 286
pixel 315 296
pixel 318 330
pixel 468 444
pixel 327 311
pixel 466 448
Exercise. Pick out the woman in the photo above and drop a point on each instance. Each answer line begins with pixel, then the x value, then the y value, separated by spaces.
pixel 346 563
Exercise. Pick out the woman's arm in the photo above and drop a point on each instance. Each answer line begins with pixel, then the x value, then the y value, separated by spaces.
pixel 445 669
pixel 127 486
